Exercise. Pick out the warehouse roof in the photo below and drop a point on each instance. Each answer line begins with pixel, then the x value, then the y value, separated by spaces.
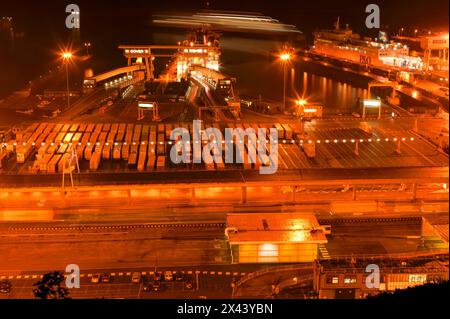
pixel 275 228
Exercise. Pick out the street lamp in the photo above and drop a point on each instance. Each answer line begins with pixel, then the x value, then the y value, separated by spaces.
pixel 284 57
pixel 67 56
pixel 87 45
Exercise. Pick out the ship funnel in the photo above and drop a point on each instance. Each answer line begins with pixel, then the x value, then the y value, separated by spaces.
pixel 337 24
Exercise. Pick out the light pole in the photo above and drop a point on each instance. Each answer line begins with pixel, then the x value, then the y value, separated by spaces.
pixel 284 57
pixel 87 45
pixel 67 56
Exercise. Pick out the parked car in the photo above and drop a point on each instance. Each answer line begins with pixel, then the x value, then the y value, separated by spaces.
pixel 157 276
pixel 178 276
pixel 136 277
pixel 156 286
pixel 168 276
pixel 95 279
pixel 188 285
pixel 5 286
pixel 106 278
pixel 146 284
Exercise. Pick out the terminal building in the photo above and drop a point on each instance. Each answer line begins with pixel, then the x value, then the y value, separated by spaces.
pixel 274 238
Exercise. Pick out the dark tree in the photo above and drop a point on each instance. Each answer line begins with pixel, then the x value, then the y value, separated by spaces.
pixel 50 286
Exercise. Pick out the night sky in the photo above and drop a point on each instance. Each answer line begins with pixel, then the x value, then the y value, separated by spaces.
pixel 108 23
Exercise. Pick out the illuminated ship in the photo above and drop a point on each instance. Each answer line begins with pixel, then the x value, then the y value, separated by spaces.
pixel 201 48
pixel 346 45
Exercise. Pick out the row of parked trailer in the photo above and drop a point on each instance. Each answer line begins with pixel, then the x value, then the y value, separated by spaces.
pixel 142 147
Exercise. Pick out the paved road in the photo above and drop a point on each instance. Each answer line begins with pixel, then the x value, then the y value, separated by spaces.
pixel 301 176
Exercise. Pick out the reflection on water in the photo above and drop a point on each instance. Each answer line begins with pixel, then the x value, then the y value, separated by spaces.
pixel 260 76
pixel 335 96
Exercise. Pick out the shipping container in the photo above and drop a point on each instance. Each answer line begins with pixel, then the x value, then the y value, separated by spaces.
pixel 94 137
pixel 309 149
pixel 288 133
pixel 120 136
pixel 76 138
pixel 65 128
pixel 73 128
pixel 106 152
pixel 60 138
pixel 111 136
pixel 280 130
pixel 80 150
pixel 23 152
pixel 43 163
pixel 142 157
pixel 137 133
pixel 125 151
pixel 98 128
pixel 161 148
pixel 94 161
pixel 169 128
pixel 53 164
pixel 82 128
pixel 161 163
pixel 122 127
pixel 62 149
pixel 102 137
pixel 86 137
pixel 89 149
pixel 132 160
pixel 117 151
pixel 57 128
pixel 68 138
pixel 145 133
pixel 151 162
pixel 90 128
pixel 5 156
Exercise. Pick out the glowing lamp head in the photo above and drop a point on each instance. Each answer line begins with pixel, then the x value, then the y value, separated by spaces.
pixel 67 55
pixel 300 102
pixel 285 57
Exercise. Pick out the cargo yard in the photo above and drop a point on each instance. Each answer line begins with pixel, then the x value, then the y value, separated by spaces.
pixel 46 148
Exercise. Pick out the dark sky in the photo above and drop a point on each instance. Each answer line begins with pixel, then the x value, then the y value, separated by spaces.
pixel 49 14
